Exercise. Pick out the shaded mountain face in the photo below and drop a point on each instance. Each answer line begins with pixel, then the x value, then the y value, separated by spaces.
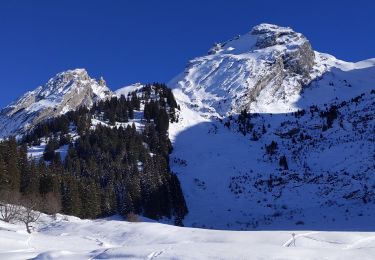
pixel 65 92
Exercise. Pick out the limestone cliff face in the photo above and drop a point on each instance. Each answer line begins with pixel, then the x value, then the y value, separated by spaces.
pixel 299 56
pixel 66 91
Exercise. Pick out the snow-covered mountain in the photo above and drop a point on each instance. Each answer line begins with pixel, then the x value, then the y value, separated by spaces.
pixel 265 71
pixel 66 91
pixel 303 153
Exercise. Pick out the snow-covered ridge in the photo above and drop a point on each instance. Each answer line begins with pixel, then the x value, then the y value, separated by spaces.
pixel 125 91
pixel 66 91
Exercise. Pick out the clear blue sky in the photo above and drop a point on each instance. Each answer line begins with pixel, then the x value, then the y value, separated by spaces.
pixel 144 41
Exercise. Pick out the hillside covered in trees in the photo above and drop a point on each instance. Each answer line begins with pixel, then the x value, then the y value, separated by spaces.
pixel 110 167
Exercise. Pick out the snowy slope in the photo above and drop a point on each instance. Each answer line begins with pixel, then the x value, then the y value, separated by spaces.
pixel 125 91
pixel 66 91
pixel 72 238
pixel 229 180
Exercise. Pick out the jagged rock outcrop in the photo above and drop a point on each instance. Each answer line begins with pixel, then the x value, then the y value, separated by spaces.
pixel 66 91
pixel 300 56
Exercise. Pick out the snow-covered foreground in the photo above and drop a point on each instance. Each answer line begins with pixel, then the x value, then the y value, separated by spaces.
pixel 73 238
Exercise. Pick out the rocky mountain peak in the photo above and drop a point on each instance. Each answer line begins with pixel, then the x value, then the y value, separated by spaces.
pixel 270 28
pixel 270 62
pixel 68 80
pixel 66 91
pixel 69 75
pixel 269 35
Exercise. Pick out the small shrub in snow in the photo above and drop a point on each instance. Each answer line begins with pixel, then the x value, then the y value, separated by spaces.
pixel 132 217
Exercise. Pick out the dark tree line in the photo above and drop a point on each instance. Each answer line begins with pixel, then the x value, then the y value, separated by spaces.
pixel 117 109
pixel 105 170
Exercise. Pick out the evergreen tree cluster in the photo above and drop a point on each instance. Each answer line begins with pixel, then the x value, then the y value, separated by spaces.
pixel 60 127
pixel 117 109
pixel 244 122
pixel 106 170
pixel 330 116
pixel 158 96
pixel 153 111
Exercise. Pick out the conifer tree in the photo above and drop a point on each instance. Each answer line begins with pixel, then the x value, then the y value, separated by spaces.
pixel 90 199
pixel 3 174
pixel 71 202
pixel 12 167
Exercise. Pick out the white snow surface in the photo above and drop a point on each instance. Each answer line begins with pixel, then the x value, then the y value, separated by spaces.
pixel 112 238
pixel 125 91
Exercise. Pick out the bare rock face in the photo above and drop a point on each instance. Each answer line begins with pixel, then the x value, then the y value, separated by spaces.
pixel 65 92
pixel 299 58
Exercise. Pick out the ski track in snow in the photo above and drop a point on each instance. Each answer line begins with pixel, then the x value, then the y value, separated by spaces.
pixel 292 240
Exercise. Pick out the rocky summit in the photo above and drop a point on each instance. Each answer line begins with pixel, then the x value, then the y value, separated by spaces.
pixel 65 92
pixel 270 63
